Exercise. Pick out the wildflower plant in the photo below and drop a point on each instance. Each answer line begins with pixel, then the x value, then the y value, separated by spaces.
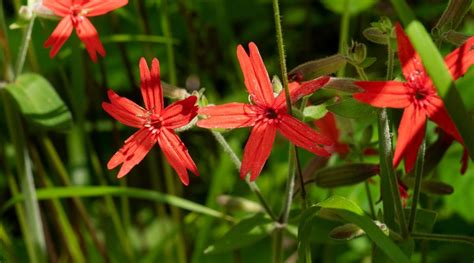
pixel 286 167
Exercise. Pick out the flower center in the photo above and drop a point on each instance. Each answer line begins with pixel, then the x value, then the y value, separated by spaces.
pixel 270 113
pixel 420 95
pixel 77 10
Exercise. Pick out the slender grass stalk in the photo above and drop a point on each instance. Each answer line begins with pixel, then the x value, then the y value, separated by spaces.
pixel 344 35
pixel 111 207
pixel 417 189
pixel 252 185
pixel 59 168
pixel 175 214
pixel 24 47
pixel 19 209
pixel 167 33
pixel 23 165
pixel 445 238
pixel 66 230
pixel 7 63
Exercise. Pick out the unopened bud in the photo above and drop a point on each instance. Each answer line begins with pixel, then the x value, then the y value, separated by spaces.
pixel 276 84
pixel 347 174
pixel 357 52
pixel 430 186
pixel 346 232
pixel 317 68
pixel 233 203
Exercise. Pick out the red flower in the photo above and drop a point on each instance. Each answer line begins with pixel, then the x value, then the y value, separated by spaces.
pixel 417 96
pixel 155 125
pixel 266 115
pixel 74 14
pixel 327 127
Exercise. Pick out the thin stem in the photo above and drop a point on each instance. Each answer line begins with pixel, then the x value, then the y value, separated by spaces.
pixel 344 34
pixel 390 55
pixel 24 47
pixel 417 189
pixel 445 238
pixel 281 54
pixel 278 246
pixel 388 172
pixel 253 186
pixel 7 65
pixel 167 33
pixel 175 214
pixel 19 209
pixel 24 170
pixel 370 199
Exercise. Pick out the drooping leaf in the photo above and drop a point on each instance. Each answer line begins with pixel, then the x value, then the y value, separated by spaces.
pixel 424 221
pixel 39 103
pixel 351 108
pixel 315 112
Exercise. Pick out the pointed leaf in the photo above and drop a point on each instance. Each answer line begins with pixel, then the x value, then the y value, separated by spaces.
pixel 39 103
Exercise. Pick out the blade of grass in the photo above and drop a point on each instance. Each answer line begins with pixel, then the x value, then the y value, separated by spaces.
pixel 99 191
pixel 23 166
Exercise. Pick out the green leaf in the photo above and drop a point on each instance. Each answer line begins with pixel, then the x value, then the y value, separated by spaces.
pixel 339 202
pixel 375 234
pixel 452 16
pixel 353 109
pixel 245 233
pixel 315 112
pixel 424 221
pixel 354 6
pixel 97 191
pixel 39 103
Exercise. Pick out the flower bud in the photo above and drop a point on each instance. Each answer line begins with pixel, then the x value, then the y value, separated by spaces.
pixel 347 174
pixel 317 68
pixel 233 203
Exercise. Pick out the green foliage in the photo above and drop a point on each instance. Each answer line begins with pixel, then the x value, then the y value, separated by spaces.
pixel 353 109
pixel 39 103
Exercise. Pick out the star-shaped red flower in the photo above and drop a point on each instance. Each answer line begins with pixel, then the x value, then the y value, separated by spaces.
pixel 155 124
pixel 74 15
pixel 266 115
pixel 417 96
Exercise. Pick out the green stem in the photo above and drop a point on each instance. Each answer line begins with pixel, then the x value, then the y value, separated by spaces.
pixel 252 185
pixel 20 212
pixel 446 238
pixel 24 169
pixel 390 56
pixel 344 35
pixel 167 33
pixel 24 47
pixel 417 188
pixel 393 203
pixel 8 68
pixel 370 199
pixel 175 213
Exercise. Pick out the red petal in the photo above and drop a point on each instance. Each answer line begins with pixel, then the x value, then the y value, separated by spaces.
pixel 438 114
pixel 177 154
pixel 123 116
pixel 59 7
pixel 257 149
pixel 152 92
pixel 327 126
pixel 461 59
pixel 391 94
pixel 302 135
pixel 297 91
pixel 132 153
pixel 180 113
pixel 410 136
pixel 100 7
pixel 89 36
pixel 228 116
pixel 59 36
pixel 125 104
pixel 412 67
pixel 255 75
